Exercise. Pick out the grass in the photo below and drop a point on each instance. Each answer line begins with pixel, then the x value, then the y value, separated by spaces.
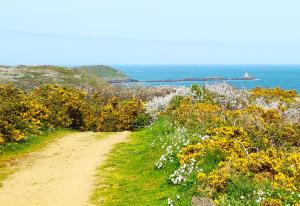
pixel 129 177
pixel 11 152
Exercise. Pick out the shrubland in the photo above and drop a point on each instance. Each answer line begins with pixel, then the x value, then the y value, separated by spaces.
pixel 233 146
pixel 48 107
pixel 237 147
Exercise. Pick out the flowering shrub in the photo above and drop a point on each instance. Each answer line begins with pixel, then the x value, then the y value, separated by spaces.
pixel 23 113
pixel 228 96
pixel 292 114
pixel 274 94
pixel 68 107
pixel 19 114
pixel 247 150
pixel 266 127
pixel 194 115
pixel 124 92
pixel 120 115
pixel 160 104
pixel 239 158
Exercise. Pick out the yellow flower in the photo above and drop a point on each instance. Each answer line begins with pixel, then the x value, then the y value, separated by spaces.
pixel 201 176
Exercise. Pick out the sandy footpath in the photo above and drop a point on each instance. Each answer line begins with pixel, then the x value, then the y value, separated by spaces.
pixel 62 174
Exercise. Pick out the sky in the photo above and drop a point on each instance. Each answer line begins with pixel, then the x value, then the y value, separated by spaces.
pixel 82 32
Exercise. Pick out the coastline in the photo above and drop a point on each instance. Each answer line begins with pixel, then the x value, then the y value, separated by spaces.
pixel 182 80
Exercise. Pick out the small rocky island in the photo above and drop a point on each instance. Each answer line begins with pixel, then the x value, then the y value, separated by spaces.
pixel 246 77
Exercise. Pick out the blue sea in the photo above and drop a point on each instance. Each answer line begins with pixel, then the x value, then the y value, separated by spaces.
pixel 284 76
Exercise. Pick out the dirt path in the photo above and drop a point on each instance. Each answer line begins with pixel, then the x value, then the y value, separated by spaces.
pixel 60 175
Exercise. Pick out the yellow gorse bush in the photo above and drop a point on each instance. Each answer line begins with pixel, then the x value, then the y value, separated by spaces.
pixel 254 142
pixel 272 94
pixel 23 113
pixel 119 115
pixel 229 140
pixel 202 114
pixel 281 168
pixel 19 114
pixel 68 106
pixel 266 127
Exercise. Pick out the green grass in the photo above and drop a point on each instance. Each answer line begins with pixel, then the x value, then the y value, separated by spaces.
pixel 129 177
pixel 11 152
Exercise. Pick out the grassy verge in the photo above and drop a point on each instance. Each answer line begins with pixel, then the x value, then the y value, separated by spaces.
pixel 11 152
pixel 129 176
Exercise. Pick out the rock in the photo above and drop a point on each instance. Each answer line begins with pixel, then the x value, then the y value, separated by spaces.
pixel 202 201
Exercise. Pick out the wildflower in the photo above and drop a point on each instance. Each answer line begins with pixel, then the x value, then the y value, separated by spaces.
pixel 170 202
pixel 159 104
pixel 203 137
pixel 228 96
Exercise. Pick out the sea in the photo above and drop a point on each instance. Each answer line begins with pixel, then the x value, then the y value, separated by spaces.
pixel 284 76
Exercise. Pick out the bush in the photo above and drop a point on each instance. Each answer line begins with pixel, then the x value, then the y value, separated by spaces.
pixel 52 106
pixel 68 107
pixel 19 114
pixel 119 115
pixel 247 146
pixel 273 94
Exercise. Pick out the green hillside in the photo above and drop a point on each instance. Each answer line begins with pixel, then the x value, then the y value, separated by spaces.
pixel 105 72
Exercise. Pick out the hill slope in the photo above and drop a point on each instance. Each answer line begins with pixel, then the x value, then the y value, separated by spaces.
pixel 105 72
pixel 83 77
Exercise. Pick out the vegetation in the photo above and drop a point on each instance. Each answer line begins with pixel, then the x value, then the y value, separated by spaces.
pixel 86 77
pixel 130 174
pixel 23 113
pixel 236 147
pixel 104 72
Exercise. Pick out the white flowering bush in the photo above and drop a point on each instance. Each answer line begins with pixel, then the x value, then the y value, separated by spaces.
pixel 228 96
pixel 292 114
pixel 261 102
pixel 160 104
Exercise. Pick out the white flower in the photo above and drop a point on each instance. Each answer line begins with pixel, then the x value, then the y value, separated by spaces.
pixel 159 104
pixel 170 202
pixel 261 102
pixel 182 173
pixel 203 137
pixel 228 96
pixel 292 114
pixel 258 200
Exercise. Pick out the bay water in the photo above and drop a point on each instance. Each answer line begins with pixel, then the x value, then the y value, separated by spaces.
pixel 284 76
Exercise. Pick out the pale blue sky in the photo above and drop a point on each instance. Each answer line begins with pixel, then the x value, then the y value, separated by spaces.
pixel 72 32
